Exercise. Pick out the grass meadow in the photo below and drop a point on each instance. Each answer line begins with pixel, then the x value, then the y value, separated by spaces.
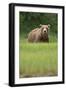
pixel 37 59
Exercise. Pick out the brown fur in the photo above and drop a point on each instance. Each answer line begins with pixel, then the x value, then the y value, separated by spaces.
pixel 39 34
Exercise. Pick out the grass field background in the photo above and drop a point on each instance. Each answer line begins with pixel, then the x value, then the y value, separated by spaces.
pixel 37 59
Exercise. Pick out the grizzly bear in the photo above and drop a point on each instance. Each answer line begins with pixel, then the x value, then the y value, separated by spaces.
pixel 39 34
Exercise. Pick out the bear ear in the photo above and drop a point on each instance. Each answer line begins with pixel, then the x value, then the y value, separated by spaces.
pixel 48 26
pixel 40 25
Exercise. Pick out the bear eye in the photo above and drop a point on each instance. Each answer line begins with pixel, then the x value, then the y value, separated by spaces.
pixel 42 28
pixel 47 28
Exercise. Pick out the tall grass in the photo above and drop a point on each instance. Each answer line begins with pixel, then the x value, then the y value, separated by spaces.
pixel 37 59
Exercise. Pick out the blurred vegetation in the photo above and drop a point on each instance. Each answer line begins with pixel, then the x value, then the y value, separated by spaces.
pixel 31 20
pixel 38 59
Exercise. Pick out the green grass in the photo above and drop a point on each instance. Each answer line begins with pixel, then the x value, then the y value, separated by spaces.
pixel 37 59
